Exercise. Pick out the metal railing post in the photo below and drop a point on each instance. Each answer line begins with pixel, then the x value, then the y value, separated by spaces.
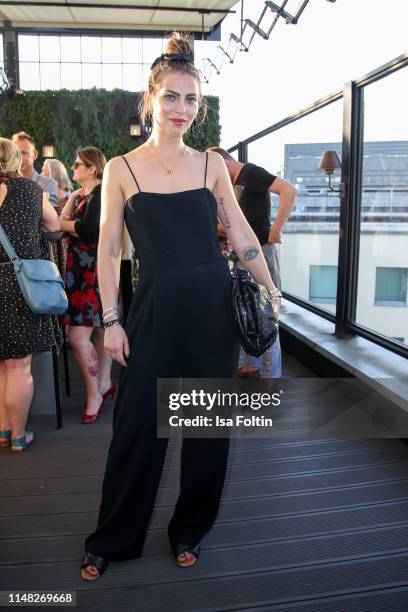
pixel 242 152
pixel 350 208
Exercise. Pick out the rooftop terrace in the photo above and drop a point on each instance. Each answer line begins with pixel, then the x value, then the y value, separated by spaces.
pixel 311 525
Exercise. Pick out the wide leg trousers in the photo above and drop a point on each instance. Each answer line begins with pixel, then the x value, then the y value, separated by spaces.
pixel 180 324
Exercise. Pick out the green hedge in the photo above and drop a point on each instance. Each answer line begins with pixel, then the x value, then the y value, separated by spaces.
pixel 73 119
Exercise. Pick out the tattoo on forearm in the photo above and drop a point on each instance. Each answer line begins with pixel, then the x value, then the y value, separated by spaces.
pixel 227 223
pixel 250 252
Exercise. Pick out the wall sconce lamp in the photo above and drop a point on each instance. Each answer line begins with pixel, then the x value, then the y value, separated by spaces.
pixel 135 129
pixel 49 151
pixel 329 163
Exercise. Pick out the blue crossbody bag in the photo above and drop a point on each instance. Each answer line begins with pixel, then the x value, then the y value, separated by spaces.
pixel 40 281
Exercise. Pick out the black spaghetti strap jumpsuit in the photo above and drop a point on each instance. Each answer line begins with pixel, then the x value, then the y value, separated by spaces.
pixel 180 324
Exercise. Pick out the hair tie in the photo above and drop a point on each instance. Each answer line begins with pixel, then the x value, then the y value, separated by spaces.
pixel 173 57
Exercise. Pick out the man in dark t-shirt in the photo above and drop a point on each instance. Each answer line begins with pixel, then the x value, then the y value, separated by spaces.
pixel 252 187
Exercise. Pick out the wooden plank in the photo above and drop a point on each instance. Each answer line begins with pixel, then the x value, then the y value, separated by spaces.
pixel 301 519
pixel 327 479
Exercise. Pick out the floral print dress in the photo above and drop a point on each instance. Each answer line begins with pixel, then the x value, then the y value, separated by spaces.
pixel 81 279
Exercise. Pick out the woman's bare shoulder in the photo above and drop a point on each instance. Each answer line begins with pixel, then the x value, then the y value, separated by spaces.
pixel 213 158
pixel 114 164
pixel 118 162
pixel 139 152
pixel 195 152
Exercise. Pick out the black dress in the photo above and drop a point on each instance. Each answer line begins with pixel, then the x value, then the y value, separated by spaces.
pixel 180 323
pixel 81 276
pixel 21 331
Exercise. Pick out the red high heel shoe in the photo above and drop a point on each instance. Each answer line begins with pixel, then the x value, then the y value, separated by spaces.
pixel 91 418
pixel 110 392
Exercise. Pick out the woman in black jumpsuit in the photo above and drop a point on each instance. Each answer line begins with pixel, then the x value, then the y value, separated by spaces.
pixel 180 324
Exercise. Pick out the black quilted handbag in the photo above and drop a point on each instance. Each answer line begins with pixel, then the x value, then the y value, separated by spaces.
pixel 254 314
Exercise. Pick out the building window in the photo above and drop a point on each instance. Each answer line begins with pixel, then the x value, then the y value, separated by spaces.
pixel 391 286
pixel 323 284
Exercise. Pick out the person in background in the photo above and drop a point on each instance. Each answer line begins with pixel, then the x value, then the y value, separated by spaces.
pixel 24 212
pixel 80 219
pixel 53 168
pixel 29 154
pixel 252 187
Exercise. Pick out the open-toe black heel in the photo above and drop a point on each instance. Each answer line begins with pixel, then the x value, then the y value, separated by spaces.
pixel 99 562
pixel 179 549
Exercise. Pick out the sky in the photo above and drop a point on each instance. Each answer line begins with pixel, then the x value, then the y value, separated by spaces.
pixel 332 44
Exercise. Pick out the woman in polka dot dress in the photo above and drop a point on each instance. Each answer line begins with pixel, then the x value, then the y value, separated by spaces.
pixel 24 213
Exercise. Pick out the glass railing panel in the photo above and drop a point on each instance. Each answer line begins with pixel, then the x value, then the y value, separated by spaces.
pixel 309 252
pixel 382 293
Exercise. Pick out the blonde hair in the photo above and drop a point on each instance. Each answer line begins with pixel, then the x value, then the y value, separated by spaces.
pixel 23 136
pixel 10 159
pixel 92 156
pixel 178 43
pixel 59 173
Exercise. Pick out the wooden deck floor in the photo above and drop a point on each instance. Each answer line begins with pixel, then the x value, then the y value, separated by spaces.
pixel 305 525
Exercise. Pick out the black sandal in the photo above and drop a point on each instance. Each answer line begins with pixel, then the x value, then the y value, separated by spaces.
pixel 179 549
pixel 99 562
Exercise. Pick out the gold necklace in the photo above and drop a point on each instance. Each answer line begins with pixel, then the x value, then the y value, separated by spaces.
pixel 168 170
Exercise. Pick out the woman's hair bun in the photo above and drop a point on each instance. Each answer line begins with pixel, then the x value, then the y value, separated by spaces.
pixel 178 43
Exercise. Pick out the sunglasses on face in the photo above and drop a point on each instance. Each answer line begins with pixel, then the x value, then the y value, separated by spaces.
pixel 76 165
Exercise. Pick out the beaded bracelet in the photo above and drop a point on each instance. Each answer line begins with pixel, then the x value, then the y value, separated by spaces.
pixel 112 323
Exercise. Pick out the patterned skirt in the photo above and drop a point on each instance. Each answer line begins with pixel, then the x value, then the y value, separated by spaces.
pixel 81 285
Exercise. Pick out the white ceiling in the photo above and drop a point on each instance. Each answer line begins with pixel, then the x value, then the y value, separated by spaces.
pixel 94 17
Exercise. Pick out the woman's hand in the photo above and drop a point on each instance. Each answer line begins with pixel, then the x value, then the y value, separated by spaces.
pixel 116 344
pixel 276 303
pixel 276 297
pixel 275 235
pixel 78 192
pixel 66 212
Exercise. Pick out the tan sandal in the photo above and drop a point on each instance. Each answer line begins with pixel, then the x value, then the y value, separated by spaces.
pixel 180 549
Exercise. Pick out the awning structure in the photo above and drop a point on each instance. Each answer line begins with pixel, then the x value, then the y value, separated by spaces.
pixel 196 16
